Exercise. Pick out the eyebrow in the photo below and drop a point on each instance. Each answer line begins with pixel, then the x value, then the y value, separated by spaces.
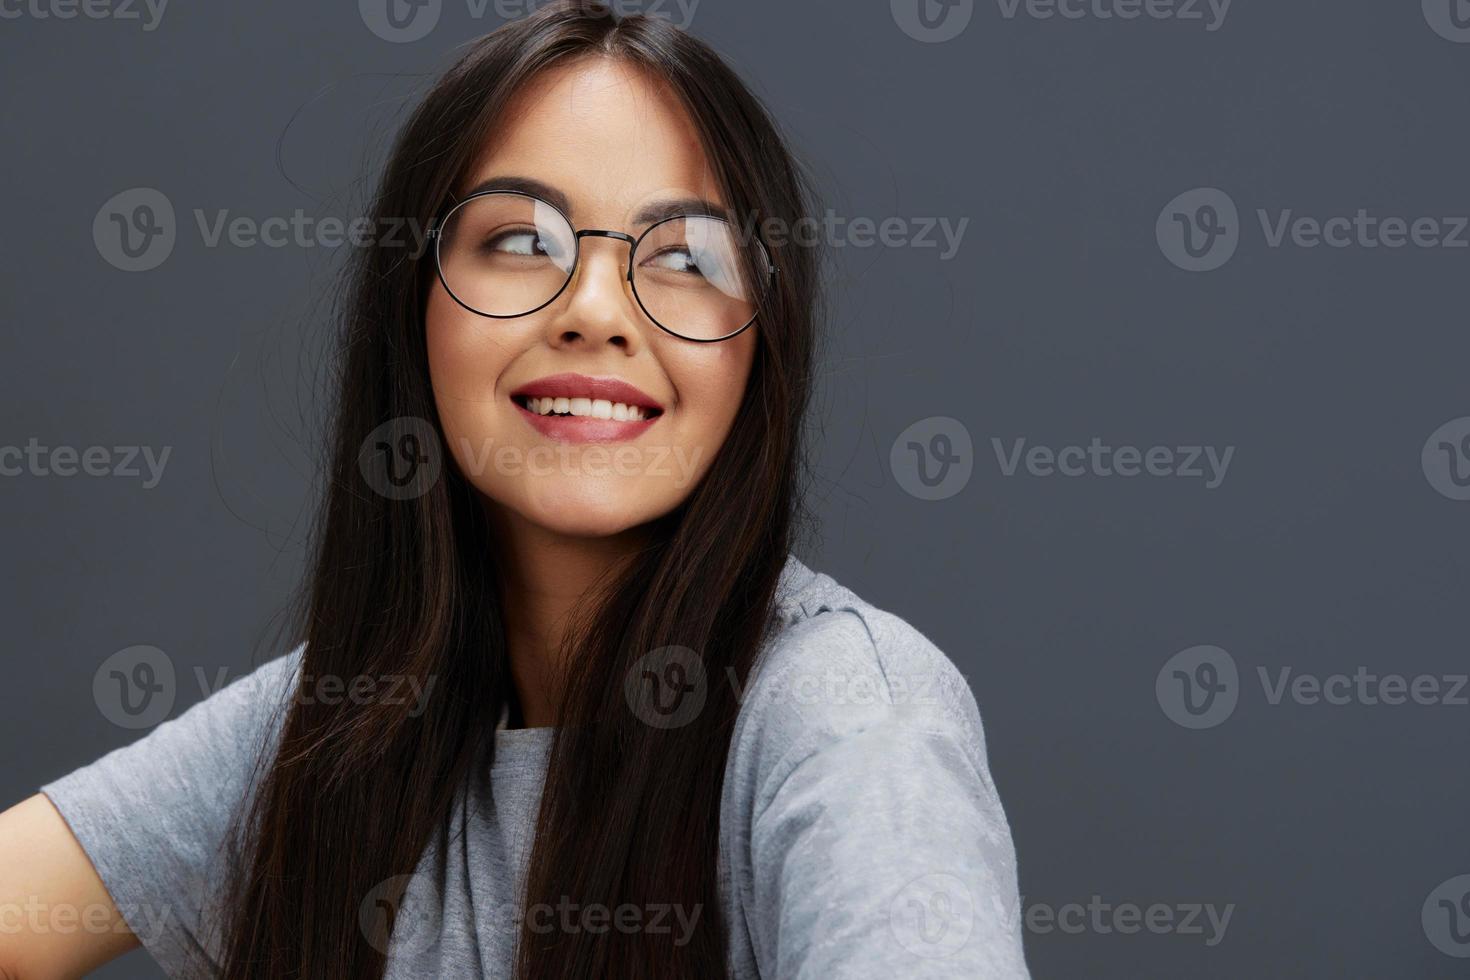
pixel 650 214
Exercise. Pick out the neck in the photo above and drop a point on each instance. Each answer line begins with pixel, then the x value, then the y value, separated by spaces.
pixel 544 577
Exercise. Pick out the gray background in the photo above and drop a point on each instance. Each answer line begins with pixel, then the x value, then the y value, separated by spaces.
pixel 1325 549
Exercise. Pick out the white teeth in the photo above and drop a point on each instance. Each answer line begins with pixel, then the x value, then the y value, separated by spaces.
pixel 597 408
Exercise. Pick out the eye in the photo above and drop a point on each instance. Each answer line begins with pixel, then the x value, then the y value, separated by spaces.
pixel 527 242
pixel 675 259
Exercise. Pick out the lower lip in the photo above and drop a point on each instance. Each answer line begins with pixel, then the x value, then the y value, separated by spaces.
pixel 584 428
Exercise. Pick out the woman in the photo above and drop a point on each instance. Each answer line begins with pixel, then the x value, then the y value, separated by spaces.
pixel 602 723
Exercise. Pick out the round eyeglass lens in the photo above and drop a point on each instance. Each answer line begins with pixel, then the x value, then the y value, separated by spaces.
pixel 690 275
pixel 505 254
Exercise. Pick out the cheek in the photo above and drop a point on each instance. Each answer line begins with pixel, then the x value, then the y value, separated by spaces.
pixel 711 383
pixel 467 360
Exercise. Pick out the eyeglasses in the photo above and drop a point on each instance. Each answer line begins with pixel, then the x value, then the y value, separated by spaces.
pixel 506 254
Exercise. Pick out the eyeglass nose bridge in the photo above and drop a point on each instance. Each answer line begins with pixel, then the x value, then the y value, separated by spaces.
pixel 605 233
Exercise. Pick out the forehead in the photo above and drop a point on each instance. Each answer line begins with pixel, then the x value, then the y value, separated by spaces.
pixel 607 135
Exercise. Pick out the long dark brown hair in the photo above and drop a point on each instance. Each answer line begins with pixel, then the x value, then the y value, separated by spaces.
pixel 355 793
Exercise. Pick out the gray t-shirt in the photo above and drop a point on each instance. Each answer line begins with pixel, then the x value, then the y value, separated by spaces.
pixel 860 832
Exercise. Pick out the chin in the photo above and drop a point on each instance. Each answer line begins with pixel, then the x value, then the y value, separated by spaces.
pixel 586 508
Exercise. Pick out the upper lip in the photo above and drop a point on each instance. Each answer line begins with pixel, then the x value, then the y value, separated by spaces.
pixel 572 385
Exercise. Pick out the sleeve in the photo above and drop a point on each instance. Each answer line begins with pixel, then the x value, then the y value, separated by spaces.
pixel 880 848
pixel 153 816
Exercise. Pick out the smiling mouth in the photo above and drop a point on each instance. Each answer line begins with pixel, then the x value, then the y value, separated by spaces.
pixel 586 407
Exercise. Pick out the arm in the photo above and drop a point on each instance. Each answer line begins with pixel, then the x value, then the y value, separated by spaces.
pixel 56 917
pixel 134 848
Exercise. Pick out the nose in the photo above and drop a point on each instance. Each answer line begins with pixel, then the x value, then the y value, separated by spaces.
pixel 599 309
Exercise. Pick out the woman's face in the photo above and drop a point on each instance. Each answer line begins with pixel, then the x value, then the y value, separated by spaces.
pixel 612 142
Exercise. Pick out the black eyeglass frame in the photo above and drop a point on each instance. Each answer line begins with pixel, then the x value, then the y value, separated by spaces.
pixel 436 233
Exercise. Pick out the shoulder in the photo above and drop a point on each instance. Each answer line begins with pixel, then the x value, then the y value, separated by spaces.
pixel 270 686
pixel 837 668
pixel 239 720
pixel 209 750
